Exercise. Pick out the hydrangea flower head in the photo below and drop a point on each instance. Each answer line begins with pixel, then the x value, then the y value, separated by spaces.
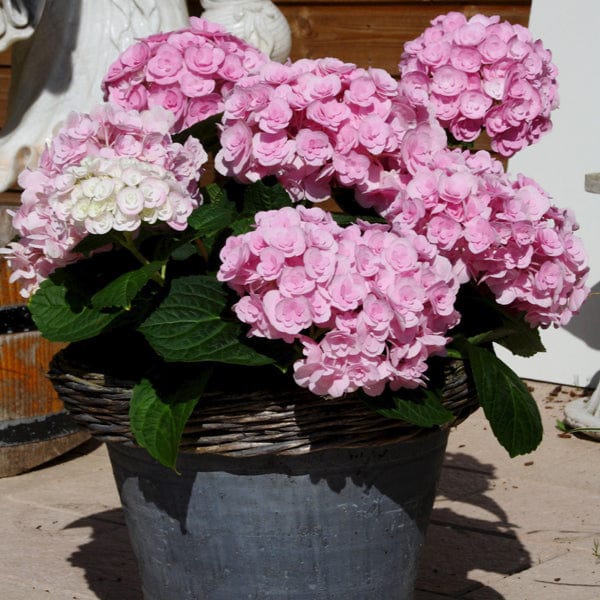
pixel 384 301
pixel 316 124
pixel 111 169
pixel 482 73
pixel 505 233
pixel 187 72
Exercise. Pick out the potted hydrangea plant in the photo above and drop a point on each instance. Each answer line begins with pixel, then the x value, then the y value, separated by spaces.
pixel 295 273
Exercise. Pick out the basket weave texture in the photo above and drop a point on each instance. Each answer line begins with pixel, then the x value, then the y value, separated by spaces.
pixel 254 422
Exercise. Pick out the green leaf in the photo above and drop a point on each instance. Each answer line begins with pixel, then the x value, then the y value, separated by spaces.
pixel 59 320
pixel 157 418
pixel 507 403
pixel 260 196
pixel 420 407
pixel 343 219
pixel 484 320
pixel 523 340
pixel 210 218
pixel 122 291
pixel 188 326
pixel 243 225
pixel 184 252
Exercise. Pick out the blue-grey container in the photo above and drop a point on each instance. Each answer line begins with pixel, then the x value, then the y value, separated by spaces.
pixel 343 524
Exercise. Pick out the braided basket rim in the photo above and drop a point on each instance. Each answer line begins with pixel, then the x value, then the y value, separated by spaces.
pixel 255 422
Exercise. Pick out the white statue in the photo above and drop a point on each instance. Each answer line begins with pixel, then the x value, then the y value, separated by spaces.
pixel 259 22
pixel 17 20
pixel 61 50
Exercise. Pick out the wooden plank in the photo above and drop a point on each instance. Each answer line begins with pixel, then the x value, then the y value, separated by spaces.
pixel 368 35
pixel 10 198
pixel 9 292
pixel 24 457
pixel 5 58
pixel 25 391
pixel 4 87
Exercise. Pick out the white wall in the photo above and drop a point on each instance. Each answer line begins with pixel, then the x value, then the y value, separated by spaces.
pixel 559 162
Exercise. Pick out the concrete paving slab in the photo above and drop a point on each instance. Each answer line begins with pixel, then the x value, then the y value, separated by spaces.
pixel 79 486
pixel 563 460
pixel 574 575
pixel 453 554
pixel 507 505
pixel 25 591
pixel 63 551
pixel 421 595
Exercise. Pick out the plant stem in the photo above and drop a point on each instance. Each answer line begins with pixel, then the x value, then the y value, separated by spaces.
pixel 126 241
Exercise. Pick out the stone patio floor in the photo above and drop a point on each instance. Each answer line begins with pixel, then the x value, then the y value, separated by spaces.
pixel 526 528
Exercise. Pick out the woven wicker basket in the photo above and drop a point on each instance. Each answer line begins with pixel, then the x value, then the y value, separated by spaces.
pixel 249 423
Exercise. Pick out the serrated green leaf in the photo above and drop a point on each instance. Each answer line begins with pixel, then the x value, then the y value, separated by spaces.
pixel 422 408
pixel 243 225
pixel 211 218
pixel 507 403
pixel 215 193
pixel 259 196
pixel 188 325
pixel 122 291
pixel 158 422
pixel 57 319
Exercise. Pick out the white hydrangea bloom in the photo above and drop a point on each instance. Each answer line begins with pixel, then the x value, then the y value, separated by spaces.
pixel 101 194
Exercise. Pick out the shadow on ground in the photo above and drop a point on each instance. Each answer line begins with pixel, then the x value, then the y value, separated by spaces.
pixel 468 532
pixel 107 559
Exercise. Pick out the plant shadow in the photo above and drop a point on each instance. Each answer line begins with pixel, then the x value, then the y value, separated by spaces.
pixel 107 559
pixel 468 532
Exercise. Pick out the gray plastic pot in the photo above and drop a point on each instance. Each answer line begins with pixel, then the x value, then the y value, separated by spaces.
pixel 335 524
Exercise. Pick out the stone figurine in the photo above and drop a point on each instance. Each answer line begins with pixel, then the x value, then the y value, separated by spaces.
pixel 259 22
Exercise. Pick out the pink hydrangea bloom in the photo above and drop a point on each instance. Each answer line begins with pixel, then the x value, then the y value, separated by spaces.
pixel 110 169
pixel 481 73
pixel 504 233
pixel 317 124
pixel 383 300
pixel 187 72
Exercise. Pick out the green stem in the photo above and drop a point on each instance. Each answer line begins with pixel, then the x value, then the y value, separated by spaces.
pixel 126 241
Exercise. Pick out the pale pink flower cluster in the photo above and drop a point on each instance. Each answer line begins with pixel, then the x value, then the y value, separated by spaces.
pixel 110 169
pixel 317 123
pixel 187 71
pixel 101 194
pixel 482 73
pixel 504 233
pixel 368 305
